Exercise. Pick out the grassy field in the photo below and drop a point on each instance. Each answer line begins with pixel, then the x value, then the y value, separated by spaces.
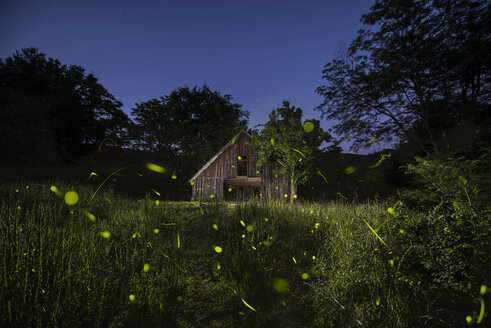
pixel 120 262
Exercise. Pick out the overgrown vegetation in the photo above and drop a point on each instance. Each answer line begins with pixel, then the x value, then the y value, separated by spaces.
pixel 58 270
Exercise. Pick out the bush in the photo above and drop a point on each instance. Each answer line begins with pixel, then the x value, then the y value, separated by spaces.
pixel 447 181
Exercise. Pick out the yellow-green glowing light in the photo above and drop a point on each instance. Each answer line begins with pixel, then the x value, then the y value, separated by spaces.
pixel 298 151
pixel 246 304
pixel 382 158
pixel 249 228
pixel 481 314
pixel 305 276
pixel 105 234
pixel 88 214
pixel 350 169
pixel 71 198
pixel 281 285
pixel 218 249
pixel 56 191
pixel 132 298
pixel 146 267
pixel 155 168
pixel 383 242
pixel 308 127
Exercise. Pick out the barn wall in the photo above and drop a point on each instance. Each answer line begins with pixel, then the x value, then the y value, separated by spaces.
pixel 210 181
pixel 273 184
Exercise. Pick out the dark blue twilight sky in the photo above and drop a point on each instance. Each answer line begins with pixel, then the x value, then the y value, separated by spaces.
pixel 141 49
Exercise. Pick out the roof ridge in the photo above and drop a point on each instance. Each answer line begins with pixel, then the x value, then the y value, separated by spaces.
pixel 219 152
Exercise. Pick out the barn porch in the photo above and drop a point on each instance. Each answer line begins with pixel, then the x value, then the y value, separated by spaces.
pixel 241 188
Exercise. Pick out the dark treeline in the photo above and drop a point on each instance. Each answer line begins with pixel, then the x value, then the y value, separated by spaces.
pixel 56 121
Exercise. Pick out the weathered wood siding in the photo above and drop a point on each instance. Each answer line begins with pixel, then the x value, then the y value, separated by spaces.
pixel 210 181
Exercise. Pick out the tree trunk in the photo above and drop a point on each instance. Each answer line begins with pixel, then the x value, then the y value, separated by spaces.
pixel 292 190
pixel 430 135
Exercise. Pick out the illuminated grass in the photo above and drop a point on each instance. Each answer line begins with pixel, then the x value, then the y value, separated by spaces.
pixel 190 273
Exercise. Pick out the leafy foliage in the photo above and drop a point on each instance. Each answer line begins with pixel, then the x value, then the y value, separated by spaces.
pixel 451 247
pixel 49 110
pixel 460 180
pixel 189 123
pixel 419 71
pixel 450 242
pixel 285 138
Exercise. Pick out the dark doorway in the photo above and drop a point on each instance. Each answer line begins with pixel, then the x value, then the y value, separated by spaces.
pixel 230 193
pixel 239 193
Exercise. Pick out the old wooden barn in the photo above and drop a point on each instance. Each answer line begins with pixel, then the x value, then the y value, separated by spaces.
pixel 233 174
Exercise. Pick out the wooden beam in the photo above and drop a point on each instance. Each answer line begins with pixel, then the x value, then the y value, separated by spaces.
pixel 243 182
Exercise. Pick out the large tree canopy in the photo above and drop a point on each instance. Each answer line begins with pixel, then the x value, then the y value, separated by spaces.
pixel 418 73
pixel 188 123
pixel 52 110
pixel 296 144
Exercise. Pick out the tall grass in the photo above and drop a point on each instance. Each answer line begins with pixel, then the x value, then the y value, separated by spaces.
pixel 58 271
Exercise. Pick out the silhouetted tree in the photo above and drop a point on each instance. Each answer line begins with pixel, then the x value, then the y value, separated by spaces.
pixel 49 110
pixel 420 72
pixel 188 124
pixel 296 145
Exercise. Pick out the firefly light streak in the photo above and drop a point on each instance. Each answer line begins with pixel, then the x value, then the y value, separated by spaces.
pixel 109 139
pixel 376 234
pixel 382 158
pixel 97 190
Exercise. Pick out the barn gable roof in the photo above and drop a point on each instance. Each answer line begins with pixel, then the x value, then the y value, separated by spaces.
pixel 218 154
